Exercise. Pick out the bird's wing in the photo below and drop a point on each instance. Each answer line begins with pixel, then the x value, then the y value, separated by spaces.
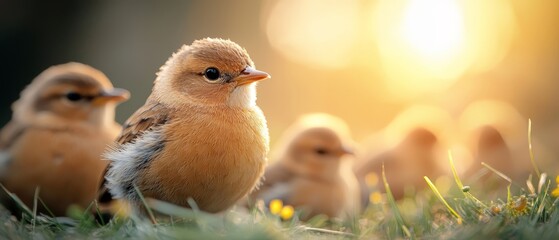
pixel 10 133
pixel 5 159
pixel 149 116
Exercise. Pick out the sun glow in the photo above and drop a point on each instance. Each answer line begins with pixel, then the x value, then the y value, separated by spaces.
pixel 434 28
pixel 427 45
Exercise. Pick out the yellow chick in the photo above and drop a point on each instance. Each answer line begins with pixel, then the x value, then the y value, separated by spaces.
pixel 200 134
pixel 313 169
pixel 60 127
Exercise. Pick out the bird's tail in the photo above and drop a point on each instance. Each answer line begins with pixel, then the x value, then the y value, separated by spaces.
pixel 109 207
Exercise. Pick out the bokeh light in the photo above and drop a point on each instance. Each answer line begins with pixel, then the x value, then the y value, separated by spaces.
pixel 320 33
pixel 426 46
pixel 434 28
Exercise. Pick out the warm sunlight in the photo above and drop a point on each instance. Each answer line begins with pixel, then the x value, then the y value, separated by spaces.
pixel 434 28
pixel 427 45
pixel 315 32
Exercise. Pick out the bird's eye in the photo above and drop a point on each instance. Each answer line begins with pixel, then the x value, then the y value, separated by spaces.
pixel 321 151
pixel 72 96
pixel 212 74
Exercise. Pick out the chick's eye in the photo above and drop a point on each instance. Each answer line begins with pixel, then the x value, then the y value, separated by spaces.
pixel 321 151
pixel 72 96
pixel 211 73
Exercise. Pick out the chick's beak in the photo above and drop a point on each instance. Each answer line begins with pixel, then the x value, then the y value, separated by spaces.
pixel 250 75
pixel 348 150
pixel 112 95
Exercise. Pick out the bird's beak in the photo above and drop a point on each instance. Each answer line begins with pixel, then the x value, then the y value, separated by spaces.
pixel 113 95
pixel 250 75
pixel 348 150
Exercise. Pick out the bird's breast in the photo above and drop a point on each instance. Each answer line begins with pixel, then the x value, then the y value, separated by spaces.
pixel 214 158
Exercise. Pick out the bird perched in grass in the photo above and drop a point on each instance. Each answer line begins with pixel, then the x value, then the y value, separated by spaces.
pixel 405 164
pixel 200 134
pixel 500 141
pixel 410 147
pixel 60 126
pixel 312 171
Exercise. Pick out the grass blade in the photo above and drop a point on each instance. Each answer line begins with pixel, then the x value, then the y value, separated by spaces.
pixel 454 172
pixel 18 201
pixel 148 209
pixel 438 194
pixel 543 180
pixel 393 205
pixel 500 174
pixel 459 182
pixel 532 158
pixel 35 205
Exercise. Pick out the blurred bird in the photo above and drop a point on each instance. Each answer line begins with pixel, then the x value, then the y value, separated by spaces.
pixel 199 135
pixel 410 147
pixel 491 149
pixel 313 169
pixel 60 127
pixel 500 140
pixel 405 164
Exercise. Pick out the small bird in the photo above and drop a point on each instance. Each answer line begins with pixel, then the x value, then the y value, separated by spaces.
pixel 200 134
pixel 405 164
pixel 313 169
pixel 491 149
pixel 60 126
pixel 500 140
pixel 413 145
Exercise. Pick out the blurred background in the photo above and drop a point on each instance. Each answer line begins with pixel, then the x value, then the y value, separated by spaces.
pixel 364 61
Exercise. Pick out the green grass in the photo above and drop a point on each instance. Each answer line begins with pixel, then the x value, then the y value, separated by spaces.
pixel 522 214
pixel 511 212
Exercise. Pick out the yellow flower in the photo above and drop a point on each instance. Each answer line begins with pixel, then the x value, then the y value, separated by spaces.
pixel 496 209
pixel 287 212
pixel 555 191
pixel 375 197
pixel 371 179
pixel 276 206
pixel 521 203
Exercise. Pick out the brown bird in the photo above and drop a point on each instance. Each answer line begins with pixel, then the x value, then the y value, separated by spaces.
pixel 492 149
pixel 500 140
pixel 313 169
pixel 60 127
pixel 200 134
pixel 405 164
pixel 410 147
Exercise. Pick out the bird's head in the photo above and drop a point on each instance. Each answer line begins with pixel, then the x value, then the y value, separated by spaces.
pixel 73 92
pixel 209 72
pixel 421 136
pixel 316 152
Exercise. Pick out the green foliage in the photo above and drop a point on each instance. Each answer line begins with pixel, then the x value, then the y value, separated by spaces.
pixel 522 213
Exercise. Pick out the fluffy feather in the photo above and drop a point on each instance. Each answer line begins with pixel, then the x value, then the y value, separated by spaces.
pixel 54 143
pixel 206 139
